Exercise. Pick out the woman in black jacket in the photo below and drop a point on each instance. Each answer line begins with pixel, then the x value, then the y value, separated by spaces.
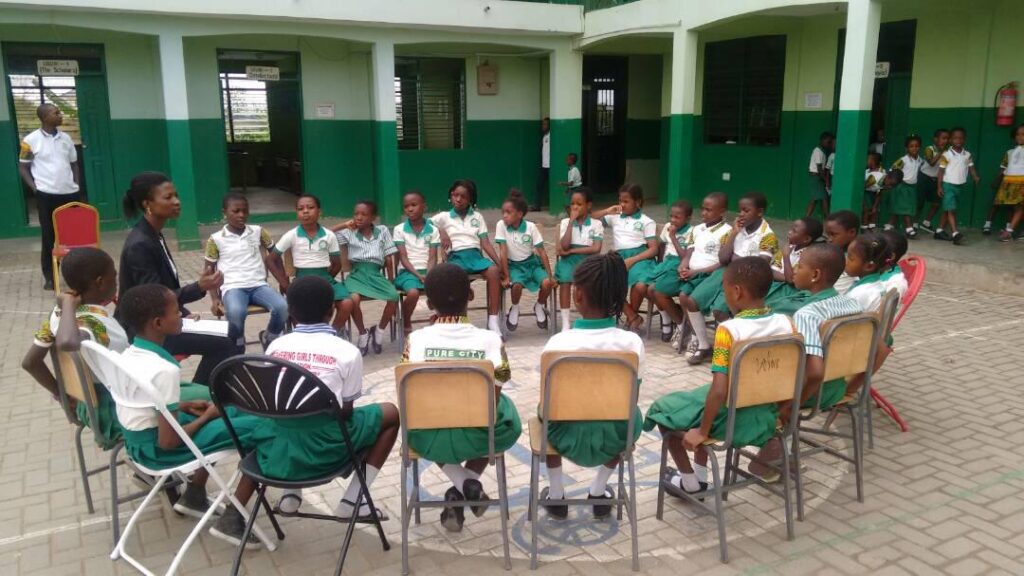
pixel 146 259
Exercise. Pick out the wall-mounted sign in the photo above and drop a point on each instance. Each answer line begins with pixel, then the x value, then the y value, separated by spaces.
pixel 324 110
pixel 812 100
pixel 57 67
pixel 486 80
pixel 263 73
pixel 881 69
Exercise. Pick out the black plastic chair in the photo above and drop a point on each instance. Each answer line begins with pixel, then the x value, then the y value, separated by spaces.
pixel 277 389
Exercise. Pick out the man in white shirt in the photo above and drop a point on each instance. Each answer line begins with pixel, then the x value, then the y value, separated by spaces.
pixel 48 164
pixel 544 173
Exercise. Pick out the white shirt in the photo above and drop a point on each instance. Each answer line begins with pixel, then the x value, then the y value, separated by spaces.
pixel 464 231
pixel 583 235
pixel 101 327
pixel 955 165
pixel 706 242
pixel 453 342
pixel 817 158
pixel 927 169
pixel 315 347
pixel 152 367
pixel 51 158
pixel 760 242
pixel 743 327
pixel 309 252
pixel 895 280
pixel 1013 162
pixel 545 150
pixel 631 231
pixel 575 178
pixel 682 235
pixel 598 336
pixel 843 284
pixel 417 246
pixel 873 180
pixel 831 162
pixel 238 256
pixel 868 294
pixel 520 242
pixel 910 166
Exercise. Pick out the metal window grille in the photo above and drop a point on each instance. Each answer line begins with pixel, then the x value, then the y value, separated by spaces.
pixel 430 103
pixel 245 108
pixel 28 91
pixel 743 84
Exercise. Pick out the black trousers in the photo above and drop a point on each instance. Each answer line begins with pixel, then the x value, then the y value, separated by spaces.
pixel 540 196
pixel 213 349
pixel 46 203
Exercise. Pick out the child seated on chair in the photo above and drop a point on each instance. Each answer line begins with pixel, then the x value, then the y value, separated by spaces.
pixel 802 233
pixel 674 242
pixel 91 283
pixel 151 311
pixel 524 261
pixel 417 240
pixel 601 285
pixel 703 413
pixel 868 258
pixel 635 239
pixel 308 447
pixel 841 228
pixel 460 452
pixel 579 236
pixel 893 276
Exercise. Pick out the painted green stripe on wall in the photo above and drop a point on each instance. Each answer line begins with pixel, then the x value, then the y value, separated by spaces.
pixel 680 159
pixel 852 133
pixel 181 155
pixel 337 161
pixel 566 137
pixel 643 139
pixel 12 220
pixel 386 178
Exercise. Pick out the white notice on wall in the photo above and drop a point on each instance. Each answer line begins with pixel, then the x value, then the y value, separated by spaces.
pixel 324 110
pixel 812 100
pixel 881 69
pixel 264 73
pixel 57 67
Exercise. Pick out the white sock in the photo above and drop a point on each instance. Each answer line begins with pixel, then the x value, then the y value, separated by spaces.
pixel 363 339
pixel 988 224
pixel 513 314
pixel 600 483
pixel 686 481
pixel 566 321
pixel 539 312
pixel 556 489
pixel 666 322
pixel 909 230
pixel 1009 227
pixel 700 328
pixel 352 492
pixel 456 473
pixel 492 323
pixel 937 230
pixel 701 472
pixel 291 505
pixel 378 335
pixel 471 475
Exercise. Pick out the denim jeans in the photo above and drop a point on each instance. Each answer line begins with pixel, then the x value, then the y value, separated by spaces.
pixel 236 306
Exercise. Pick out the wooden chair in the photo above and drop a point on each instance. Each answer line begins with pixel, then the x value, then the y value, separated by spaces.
pixel 580 386
pixel 435 395
pixel 75 225
pixel 762 371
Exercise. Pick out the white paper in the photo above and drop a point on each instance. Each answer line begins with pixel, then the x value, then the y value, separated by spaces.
pixel 208 327
pixel 263 73
pixel 57 67
pixel 812 100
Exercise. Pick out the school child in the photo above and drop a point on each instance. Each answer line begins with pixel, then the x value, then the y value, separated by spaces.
pixel 311 446
pixel 151 312
pixel 601 283
pixel 867 260
pixel 928 189
pixel 840 229
pixel 460 452
pixel 315 252
pixel 802 234
pixel 634 237
pixel 417 241
pixel 703 412
pixel 893 276
pixel 574 179
pixel 874 178
pixel 91 283
pixel 830 170
pixel 1011 186
pixel 673 240
pixel 464 234
pixel 239 250
pixel 370 252
pixel 954 165
pixel 818 176
pixel 903 198
pixel 524 261
pixel 579 236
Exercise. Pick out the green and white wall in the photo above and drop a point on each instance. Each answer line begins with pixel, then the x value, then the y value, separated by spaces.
pixel 643 123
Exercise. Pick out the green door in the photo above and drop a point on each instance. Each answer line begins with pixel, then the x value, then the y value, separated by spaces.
pixel 897 110
pixel 96 162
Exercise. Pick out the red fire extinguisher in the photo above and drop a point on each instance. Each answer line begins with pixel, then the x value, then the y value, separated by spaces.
pixel 1006 104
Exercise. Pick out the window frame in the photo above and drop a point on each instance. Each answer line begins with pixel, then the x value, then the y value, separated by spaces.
pixel 225 78
pixel 412 125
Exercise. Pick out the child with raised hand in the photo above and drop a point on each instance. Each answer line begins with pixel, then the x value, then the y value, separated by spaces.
pixel 1011 184
pixel 819 176
pixel 370 252
pixel 674 242
pixel 954 166
pixel 312 446
pixel 524 261
pixel 903 198
pixel 892 275
pixel 634 237
pixel 579 236
pixel 464 235
pixel 315 252
pixel 928 189
pixel 460 452
pixel 703 412
pixel 417 241
pixel 91 283
pixel 803 232
pixel 601 283
pixel 874 179
pixel 239 251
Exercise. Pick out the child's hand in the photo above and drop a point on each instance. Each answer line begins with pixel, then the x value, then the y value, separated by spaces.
pixel 211 411
pixel 506 282
pixel 671 228
pixel 629 263
pixel 217 308
pixel 693 439
pixel 615 209
pixel 685 273
pixel 446 241
pixel 574 212
pixel 976 179
pixel 787 249
pixel 940 192
pixel 283 288
pixel 194 407
pixel 739 223
pixel 70 298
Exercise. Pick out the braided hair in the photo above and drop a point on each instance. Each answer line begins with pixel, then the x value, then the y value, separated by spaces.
pixel 603 278
pixel 873 248
pixel 518 202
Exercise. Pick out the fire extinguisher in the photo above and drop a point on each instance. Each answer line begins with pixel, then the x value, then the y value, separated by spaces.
pixel 1006 104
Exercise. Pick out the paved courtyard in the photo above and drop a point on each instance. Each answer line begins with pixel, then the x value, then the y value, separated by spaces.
pixel 945 497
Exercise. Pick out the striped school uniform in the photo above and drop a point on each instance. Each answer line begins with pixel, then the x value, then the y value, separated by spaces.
pixel 367 256
pixel 808 321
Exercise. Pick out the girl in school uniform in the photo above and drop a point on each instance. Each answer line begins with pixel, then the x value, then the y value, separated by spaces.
pixel 370 251
pixel 802 233
pixel 524 261
pixel 903 198
pixel 416 240
pixel 874 180
pixel 634 237
pixel 674 243
pixel 893 276
pixel 600 296
pixel 868 258
pixel 579 236
pixel 464 235
pixel 315 252
pixel 1011 186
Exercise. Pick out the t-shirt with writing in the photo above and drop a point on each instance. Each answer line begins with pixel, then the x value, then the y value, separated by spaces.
pixel 316 347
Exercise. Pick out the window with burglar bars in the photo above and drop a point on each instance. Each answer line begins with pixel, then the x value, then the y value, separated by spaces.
pixel 743 82
pixel 430 102
pixel 246 118
pixel 28 91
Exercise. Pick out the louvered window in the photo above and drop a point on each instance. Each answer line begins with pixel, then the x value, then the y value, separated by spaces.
pixel 430 102
pixel 743 83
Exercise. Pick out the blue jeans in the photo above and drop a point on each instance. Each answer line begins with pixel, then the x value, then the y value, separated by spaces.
pixel 236 306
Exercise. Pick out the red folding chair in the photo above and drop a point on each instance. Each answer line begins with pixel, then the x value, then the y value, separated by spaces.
pixel 75 225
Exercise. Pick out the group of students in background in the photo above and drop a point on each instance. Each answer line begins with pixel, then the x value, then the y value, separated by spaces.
pixel 925 182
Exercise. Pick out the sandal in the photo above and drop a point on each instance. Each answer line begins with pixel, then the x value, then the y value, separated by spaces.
pixel 362 517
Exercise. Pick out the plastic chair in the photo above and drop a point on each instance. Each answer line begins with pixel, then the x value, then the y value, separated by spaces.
pixel 277 389
pixel 435 395
pixel 762 371
pixel 132 392
pixel 75 225
pixel 583 386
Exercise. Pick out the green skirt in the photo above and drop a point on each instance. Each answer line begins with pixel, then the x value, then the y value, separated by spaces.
pixel 779 294
pixel 566 266
pixel 367 280
pixel 831 392
pixel 142 445
pixel 950 192
pixel 340 291
pixel 406 281
pixel 470 259
pixel 928 187
pixel 903 200
pixel 816 186
pixel 456 445
pixel 590 444
pixel 312 446
pixel 665 274
pixel 108 426
pixel 530 273
pixel 642 269
pixel 707 290
pixel 754 426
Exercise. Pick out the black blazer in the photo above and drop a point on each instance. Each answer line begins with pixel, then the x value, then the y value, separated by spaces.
pixel 144 261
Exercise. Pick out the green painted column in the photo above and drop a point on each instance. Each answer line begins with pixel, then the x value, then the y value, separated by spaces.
pixel 385 137
pixel 179 138
pixel 855 96
pixel 566 94
pixel 682 69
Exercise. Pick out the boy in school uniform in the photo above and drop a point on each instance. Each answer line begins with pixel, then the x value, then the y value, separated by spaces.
pixel 874 180
pixel 954 166
pixel 818 176
pixel 802 234
pixel 417 241
pixel 574 179
pixel 928 192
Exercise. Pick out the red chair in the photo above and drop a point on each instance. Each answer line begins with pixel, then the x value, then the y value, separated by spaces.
pixel 75 225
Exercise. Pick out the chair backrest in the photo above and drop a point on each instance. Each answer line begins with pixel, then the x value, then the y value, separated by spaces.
pixel 915 270
pixel 433 395
pixel 887 311
pixel 76 224
pixel 270 387
pixel 766 370
pixel 74 381
pixel 589 385
pixel 848 345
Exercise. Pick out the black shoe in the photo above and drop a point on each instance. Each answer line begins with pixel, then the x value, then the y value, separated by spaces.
pixel 230 527
pixel 667 336
pixel 942 235
pixel 264 342
pixel 926 226
pixel 912 234
pixel 986 230
pixel 474 490
pixel 602 511
pixel 193 502
pixel 556 511
pixel 959 239
pixel 453 518
pixel 364 349
pixel 508 323
pixel 377 348
pixel 48 285
pixel 542 324
pixel 677 491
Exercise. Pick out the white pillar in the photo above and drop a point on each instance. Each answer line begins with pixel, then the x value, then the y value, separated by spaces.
pixel 566 93
pixel 174 86
pixel 682 102
pixel 385 137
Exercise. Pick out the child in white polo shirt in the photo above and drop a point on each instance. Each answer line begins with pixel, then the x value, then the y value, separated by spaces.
pixel 417 240
pixel 635 239
pixel 874 179
pixel 802 235
pixel 579 236
pixel 574 179
pixel 238 250
pixel 903 198
pixel 818 176
pixel 1011 184
pixel 954 166
pixel 673 239
pixel 929 185
pixel 523 259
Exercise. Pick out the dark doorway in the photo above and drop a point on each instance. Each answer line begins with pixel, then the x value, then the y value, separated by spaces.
pixel 604 120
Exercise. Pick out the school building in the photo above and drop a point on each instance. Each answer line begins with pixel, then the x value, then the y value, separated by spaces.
pixel 350 100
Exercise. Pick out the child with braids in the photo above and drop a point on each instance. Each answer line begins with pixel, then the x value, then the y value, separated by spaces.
pixel 867 260
pixel 635 239
pixel 524 262
pixel 579 236
pixel 600 297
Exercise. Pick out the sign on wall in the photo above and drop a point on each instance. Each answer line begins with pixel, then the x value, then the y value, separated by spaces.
pixel 881 69
pixel 57 67
pixel 812 100
pixel 263 73
pixel 324 110
pixel 486 80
